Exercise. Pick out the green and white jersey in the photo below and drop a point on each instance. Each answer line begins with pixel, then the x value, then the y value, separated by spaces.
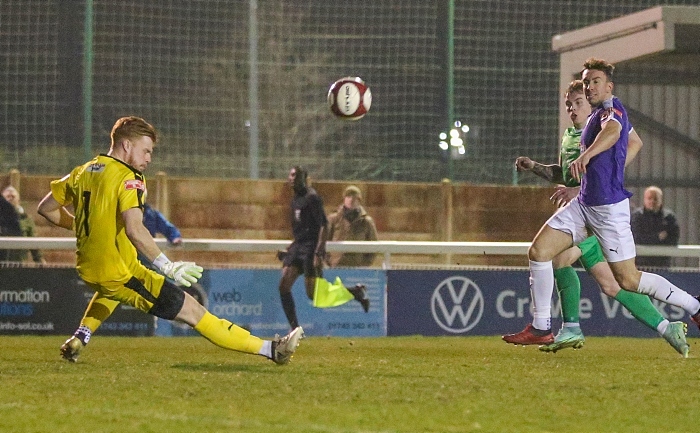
pixel 570 150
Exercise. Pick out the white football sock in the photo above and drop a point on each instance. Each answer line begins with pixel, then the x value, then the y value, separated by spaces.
pixel 661 289
pixel 266 349
pixel 541 289
pixel 662 327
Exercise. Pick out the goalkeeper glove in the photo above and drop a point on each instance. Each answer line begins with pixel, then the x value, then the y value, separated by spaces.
pixel 183 273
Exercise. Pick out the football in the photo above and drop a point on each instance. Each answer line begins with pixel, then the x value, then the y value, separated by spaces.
pixel 349 98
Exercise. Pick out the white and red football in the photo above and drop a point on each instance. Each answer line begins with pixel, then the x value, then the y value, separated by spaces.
pixel 349 98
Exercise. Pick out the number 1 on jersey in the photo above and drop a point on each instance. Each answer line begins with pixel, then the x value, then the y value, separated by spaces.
pixel 86 213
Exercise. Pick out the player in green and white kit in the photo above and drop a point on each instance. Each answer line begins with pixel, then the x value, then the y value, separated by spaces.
pixel 589 251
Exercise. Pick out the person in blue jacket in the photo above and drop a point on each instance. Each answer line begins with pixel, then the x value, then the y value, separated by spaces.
pixel 156 223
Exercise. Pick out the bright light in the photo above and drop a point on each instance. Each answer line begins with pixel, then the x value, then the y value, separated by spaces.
pixel 455 139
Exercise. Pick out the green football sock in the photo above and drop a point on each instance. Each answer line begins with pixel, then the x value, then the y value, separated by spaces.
pixel 641 308
pixel 569 288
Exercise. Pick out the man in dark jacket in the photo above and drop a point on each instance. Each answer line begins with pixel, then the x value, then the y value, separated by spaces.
pixel 9 226
pixel 26 224
pixel 654 225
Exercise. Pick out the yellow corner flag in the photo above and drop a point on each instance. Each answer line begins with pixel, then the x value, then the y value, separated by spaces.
pixel 328 295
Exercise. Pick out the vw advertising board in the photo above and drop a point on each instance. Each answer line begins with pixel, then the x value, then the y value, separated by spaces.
pixel 498 302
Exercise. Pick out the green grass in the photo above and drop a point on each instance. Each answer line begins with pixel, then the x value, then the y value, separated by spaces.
pixel 411 384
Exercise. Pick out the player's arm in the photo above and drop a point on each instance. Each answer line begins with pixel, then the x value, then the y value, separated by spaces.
pixel 319 216
pixel 184 273
pixel 55 213
pixel 564 194
pixel 320 251
pixel 551 173
pixel 322 238
pixel 606 138
pixel 139 235
pixel 634 145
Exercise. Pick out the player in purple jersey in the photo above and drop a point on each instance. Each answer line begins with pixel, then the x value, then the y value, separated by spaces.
pixel 602 208
pixel 588 252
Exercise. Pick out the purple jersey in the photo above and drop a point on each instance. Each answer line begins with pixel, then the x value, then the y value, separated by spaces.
pixel 603 182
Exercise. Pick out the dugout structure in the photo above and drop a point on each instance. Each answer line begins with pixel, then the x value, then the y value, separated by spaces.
pixel 656 53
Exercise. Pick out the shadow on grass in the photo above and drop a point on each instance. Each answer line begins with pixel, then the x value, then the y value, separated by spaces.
pixel 227 368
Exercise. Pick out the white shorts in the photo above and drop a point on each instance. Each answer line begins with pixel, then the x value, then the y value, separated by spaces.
pixel 609 223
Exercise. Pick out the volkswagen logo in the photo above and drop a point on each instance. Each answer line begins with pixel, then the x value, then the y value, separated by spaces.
pixel 457 304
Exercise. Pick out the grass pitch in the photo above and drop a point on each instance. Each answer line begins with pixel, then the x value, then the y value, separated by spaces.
pixel 391 384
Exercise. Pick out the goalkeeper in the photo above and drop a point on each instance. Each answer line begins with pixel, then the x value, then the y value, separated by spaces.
pixel 106 194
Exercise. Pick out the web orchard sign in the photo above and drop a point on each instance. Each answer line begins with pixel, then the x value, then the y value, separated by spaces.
pixel 462 303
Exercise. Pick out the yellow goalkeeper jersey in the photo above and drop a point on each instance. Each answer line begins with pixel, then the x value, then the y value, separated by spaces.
pixel 99 191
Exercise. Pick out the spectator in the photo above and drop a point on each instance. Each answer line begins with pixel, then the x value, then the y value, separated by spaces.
pixel 156 223
pixel 26 224
pixel 9 226
pixel 654 225
pixel 351 223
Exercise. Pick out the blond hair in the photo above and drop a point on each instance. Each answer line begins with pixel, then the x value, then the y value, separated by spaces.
pixel 132 127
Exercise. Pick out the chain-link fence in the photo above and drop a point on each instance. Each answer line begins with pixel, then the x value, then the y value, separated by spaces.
pixel 186 67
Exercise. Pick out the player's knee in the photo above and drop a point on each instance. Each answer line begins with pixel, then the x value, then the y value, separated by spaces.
pixel 537 253
pixel 287 280
pixel 627 282
pixel 286 285
pixel 169 302
pixel 610 289
pixel 560 261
